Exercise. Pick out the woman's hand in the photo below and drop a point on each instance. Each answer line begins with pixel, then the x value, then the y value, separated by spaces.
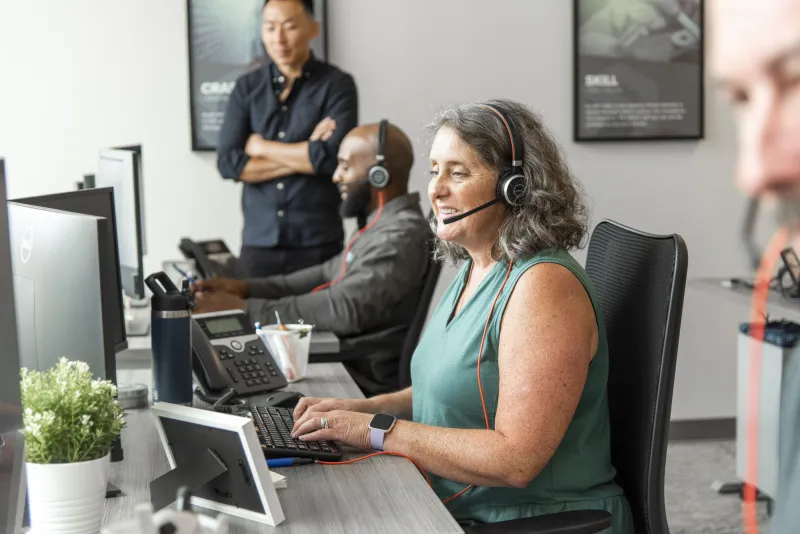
pixel 348 428
pixel 309 406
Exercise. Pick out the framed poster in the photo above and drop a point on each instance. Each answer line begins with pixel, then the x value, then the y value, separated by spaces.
pixel 638 70
pixel 224 43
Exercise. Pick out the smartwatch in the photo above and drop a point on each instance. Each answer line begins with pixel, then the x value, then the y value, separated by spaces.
pixel 380 425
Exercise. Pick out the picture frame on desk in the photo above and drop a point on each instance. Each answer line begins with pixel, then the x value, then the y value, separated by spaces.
pixel 199 441
pixel 224 42
pixel 638 71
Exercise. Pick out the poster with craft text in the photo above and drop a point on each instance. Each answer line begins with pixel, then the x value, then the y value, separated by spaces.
pixel 224 43
pixel 638 69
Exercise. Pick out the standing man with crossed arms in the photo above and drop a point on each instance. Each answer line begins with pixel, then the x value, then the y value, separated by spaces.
pixel 280 137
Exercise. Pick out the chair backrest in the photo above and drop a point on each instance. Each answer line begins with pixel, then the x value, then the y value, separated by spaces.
pixel 415 329
pixel 640 280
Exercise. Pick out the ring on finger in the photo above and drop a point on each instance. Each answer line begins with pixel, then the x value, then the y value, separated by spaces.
pixel 323 421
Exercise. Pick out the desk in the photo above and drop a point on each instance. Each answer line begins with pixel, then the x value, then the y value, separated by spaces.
pixel 777 304
pixel 383 494
pixel 139 346
pixel 321 343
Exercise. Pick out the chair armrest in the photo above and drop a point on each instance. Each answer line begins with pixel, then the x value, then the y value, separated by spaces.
pixel 573 522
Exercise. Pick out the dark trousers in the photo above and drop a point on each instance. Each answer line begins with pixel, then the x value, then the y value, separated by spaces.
pixel 258 262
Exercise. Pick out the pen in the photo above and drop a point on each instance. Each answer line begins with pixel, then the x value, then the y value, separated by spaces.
pixel 185 274
pixel 289 462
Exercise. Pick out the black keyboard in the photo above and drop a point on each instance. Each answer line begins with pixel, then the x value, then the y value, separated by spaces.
pixel 274 429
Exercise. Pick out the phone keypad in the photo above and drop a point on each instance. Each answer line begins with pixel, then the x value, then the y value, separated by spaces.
pixel 252 367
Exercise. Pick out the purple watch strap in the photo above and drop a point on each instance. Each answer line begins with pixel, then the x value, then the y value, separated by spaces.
pixel 376 439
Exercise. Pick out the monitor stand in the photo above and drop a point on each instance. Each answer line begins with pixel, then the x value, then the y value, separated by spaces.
pixel 136 323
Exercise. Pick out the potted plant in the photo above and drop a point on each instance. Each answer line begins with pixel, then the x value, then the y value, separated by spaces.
pixel 70 421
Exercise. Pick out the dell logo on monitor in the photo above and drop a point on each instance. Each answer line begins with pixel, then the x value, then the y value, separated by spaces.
pixel 26 247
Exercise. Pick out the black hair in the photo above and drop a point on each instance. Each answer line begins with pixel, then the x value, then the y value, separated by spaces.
pixel 308 5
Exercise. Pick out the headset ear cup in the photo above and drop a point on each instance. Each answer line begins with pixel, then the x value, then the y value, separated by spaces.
pixel 511 189
pixel 378 176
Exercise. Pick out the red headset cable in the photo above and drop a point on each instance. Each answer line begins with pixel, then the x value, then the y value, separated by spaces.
pixel 757 327
pixel 326 285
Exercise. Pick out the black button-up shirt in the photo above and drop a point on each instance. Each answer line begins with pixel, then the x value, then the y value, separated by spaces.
pixel 298 210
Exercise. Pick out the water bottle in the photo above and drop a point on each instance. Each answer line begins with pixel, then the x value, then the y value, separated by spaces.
pixel 171 341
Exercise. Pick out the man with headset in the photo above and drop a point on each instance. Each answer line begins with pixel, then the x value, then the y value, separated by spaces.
pixel 755 53
pixel 368 294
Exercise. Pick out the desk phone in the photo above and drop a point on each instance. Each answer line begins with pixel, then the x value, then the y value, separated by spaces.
pixel 227 353
pixel 212 258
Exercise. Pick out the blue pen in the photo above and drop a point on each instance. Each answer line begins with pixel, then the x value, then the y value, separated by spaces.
pixel 185 274
pixel 288 462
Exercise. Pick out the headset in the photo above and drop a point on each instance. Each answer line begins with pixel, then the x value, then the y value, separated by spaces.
pixel 511 183
pixel 378 175
pixel 510 189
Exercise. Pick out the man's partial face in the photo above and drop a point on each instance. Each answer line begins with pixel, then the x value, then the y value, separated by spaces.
pixel 755 53
pixel 356 156
pixel 287 31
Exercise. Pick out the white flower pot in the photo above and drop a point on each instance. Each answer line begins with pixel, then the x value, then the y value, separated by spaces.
pixel 67 498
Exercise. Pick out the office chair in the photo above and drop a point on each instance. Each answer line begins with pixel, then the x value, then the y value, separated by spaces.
pixel 640 280
pixel 415 329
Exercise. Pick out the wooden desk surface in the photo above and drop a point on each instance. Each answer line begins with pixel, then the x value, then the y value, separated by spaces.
pixel 384 494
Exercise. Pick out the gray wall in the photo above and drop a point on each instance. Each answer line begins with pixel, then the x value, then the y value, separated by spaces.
pixel 410 58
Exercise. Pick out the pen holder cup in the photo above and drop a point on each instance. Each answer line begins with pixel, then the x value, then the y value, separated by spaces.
pixel 290 348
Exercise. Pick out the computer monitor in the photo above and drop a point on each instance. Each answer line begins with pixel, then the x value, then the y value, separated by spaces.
pixel 121 170
pixel 57 264
pixel 99 203
pixel 12 444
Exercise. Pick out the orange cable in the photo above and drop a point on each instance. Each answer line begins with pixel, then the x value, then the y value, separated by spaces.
pixel 326 285
pixel 758 323
pixel 354 460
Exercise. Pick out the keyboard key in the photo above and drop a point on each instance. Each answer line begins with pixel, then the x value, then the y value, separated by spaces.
pixel 251 360
pixel 239 363
pixel 261 374
pixel 302 446
pixel 261 351
pixel 250 383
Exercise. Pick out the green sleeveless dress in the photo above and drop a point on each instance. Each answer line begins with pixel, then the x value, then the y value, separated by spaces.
pixel 443 369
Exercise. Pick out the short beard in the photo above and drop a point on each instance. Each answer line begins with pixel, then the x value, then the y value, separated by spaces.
pixel 357 202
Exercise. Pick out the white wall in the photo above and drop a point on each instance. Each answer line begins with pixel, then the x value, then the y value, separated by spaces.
pixel 83 74
pixel 86 74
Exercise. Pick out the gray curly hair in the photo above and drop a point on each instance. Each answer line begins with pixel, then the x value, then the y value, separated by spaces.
pixel 552 214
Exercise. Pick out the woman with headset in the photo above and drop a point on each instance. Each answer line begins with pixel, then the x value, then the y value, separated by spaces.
pixel 508 411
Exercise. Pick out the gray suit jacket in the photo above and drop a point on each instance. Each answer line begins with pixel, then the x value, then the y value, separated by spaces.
pixel 374 302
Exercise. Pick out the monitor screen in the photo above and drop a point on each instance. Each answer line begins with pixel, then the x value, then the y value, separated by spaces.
pixel 120 170
pixel 11 440
pixel 99 203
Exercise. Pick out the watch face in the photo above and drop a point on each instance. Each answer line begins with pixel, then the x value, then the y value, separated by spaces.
pixel 382 422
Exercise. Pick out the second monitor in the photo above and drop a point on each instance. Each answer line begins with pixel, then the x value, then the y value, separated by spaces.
pixel 121 169
pixel 57 259
pixel 98 203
